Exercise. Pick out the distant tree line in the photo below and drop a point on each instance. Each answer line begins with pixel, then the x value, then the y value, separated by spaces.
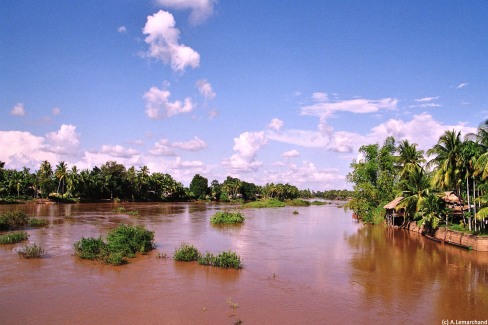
pixel 114 181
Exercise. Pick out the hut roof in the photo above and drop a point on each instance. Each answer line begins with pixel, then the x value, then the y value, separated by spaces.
pixel 451 197
pixel 394 203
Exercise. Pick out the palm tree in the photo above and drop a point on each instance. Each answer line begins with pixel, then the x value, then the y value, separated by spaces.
pixel 72 181
pixel 409 158
pixel 60 173
pixel 447 161
pixel 44 177
pixel 430 208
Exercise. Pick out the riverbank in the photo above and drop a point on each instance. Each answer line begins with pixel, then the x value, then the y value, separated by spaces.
pixel 456 238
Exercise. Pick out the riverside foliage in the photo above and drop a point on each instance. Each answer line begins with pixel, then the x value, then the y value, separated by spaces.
pixel 385 172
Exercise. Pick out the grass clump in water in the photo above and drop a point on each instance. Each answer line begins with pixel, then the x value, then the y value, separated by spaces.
pixel 13 237
pixel 36 222
pixel 13 220
pixel 186 253
pixel 297 203
pixel 317 202
pixel 269 203
pixel 226 217
pixel 122 242
pixel 226 259
pixel 31 251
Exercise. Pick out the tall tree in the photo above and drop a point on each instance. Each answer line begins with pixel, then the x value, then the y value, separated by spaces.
pixel 199 186
pixel 447 161
pixel 60 173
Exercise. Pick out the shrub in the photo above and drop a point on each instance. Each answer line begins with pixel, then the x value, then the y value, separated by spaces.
pixel 90 248
pixel 186 253
pixel 13 220
pixel 224 259
pixel 124 241
pixel 270 203
pixel 35 222
pixel 13 237
pixel 31 251
pixel 130 240
pixel 225 217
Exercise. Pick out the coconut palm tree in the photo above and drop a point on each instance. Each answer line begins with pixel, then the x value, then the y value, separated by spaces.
pixel 447 161
pixel 60 173
pixel 430 210
pixel 409 158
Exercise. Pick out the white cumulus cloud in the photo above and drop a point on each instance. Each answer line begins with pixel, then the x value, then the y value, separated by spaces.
pixel 18 110
pixel 358 106
pixel 290 153
pixel 158 104
pixel 200 9
pixel 192 145
pixel 162 148
pixel 246 147
pixel 119 151
pixel 205 89
pixel 122 29
pixel 65 141
pixel 163 40
pixel 275 124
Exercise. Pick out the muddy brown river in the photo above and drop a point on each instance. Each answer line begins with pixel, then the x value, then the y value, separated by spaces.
pixel 316 267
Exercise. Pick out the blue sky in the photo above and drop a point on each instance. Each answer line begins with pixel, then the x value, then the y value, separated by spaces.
pixel 266 91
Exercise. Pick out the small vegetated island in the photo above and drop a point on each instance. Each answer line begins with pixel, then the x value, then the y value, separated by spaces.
pixel 227 217
pixel 123 242
pixel 226 259
pixel 15 220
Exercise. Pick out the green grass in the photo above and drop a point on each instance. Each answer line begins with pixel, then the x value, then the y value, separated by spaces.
pixel 224 259
pixel 11 220
pixel 269 203
pixel 297 203
pixel 31 251
pixel 186 253
pixel 14 237
pixel 36 222
pixel 122 242
pixel 123 210
pixel 226 217
pixel 316 202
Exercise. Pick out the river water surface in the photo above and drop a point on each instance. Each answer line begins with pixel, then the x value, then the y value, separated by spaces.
pixel 316 267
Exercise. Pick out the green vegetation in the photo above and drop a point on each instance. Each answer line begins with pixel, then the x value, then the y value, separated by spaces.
pixel 318 202
pixel 113 181
pixel 226 217
pixel 11 220
pixel 224 259
pixel 297 203
pixel 186 253
pixel 267 203
pixel 122 242
pixel 36 222
pixel 31 251
pixel 456 165
pixel 14 237
pixel 123 210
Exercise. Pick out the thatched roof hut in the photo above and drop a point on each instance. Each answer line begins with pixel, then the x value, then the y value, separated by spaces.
pixel 450 197
pixel 393 204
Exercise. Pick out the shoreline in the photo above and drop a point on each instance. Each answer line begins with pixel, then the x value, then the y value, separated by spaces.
pixel 453 237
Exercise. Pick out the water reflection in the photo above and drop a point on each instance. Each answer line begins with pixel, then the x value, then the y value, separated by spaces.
pixel 397 268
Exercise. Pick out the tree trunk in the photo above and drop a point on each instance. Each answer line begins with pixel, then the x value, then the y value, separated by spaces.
pixel 469 205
